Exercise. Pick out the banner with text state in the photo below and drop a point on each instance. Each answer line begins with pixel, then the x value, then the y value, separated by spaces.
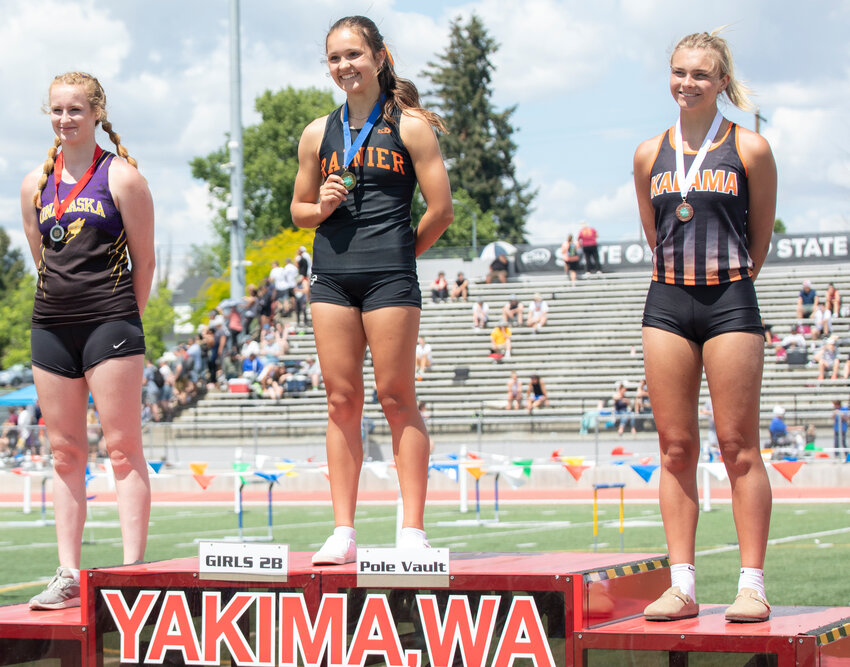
pixel 636 255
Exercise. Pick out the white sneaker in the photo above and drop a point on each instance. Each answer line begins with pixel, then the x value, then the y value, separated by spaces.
pixel 62 592
pixel 336 551
pixel 412 542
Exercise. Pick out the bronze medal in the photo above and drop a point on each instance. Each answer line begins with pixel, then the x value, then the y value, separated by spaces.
pixel 684 211
pixel 349 180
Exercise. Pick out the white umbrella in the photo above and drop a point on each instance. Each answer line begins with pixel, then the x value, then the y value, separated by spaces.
pixel 492 250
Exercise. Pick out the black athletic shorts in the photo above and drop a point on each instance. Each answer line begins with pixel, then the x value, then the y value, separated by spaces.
pixel 73 349
pixel 700 312
pixel 367 291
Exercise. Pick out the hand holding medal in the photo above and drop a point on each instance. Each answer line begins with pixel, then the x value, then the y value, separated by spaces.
pixel 349 180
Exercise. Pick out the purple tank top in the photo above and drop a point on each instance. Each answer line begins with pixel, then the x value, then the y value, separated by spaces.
pixel 85 277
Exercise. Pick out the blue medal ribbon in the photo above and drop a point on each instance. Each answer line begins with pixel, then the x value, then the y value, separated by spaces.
pixel 351 149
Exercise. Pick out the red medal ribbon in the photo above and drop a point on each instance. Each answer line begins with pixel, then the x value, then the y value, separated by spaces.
pixel 60 207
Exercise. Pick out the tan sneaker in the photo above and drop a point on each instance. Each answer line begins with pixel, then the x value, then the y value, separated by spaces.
pixel 749 607
pixel 671 606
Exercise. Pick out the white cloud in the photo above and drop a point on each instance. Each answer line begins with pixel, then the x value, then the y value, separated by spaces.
pixel 620 205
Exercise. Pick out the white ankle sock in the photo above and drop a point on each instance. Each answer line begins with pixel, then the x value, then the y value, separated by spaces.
pixel 752 577
pixel 74 573
pixel 412 532
pixel 345 531
pixel 683 575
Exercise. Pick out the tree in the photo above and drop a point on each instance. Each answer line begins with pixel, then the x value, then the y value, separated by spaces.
pixel 778 226
pixel 479 147
pixel 158 321
pixel 16 316
pixel 459 232
pixel 12 267
pixel 270 158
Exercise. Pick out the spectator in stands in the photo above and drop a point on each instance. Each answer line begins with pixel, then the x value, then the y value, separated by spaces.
pixel 249 313
pixel 832 300
pixel 423 357
pixel 252 366
pixel 821 322
pixel 769 338
pixel 500 342
pixel 265 299
pixel 514 392
pixel 304 263
pixel 235 326
pixel 439 288
pixel 807 300
pixel 512 311
pixel 498 270
pixel 840 419
pixel 827 358
pixel 782 435
pixel 231 366
pixel 701 314
pixel 570 254
pixel 302 298
pixel 707 411
pixel 623 407
pixel 460 290
pixel 310 367
pixel 642 398
pixel 536 396
pixel 480 314
pixel 194 361
pixel 538 313
pixel 589 248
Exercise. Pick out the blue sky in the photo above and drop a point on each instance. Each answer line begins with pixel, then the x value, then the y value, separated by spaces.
pixel 589 79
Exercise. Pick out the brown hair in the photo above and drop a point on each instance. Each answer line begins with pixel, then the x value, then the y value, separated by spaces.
pixel 97 100
pixel 401 93
pixel 736 91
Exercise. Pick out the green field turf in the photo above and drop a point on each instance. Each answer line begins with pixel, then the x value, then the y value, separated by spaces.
pixel 805 566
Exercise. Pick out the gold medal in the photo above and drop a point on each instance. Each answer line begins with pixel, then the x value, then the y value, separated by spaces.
pixel 684 211
pixel 349 180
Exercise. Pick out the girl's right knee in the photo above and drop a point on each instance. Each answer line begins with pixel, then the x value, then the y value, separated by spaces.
pixel 345 406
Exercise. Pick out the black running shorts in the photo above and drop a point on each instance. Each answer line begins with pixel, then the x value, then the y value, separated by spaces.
pixel 700 312
pixel 367 291
pixel 73 349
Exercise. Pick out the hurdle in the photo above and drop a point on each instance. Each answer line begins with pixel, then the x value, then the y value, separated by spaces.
pixel 265 477
pixel 596 487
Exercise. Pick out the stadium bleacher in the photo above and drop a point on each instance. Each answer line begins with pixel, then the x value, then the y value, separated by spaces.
pixel 591 342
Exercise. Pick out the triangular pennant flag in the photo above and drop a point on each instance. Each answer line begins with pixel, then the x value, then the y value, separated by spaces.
pixel 525 464
pixel 20 471
pixel 516 477
pixel 788 468
pixel 645 461
pixel 260 460
pixel 241 466
pixel 576 471
pixel 269 476
pixel 198 468
pixel 619 450
pixel 573 460
pixel 477 473
pixel 155 466
pixel 324 470
pixel 203 480
pixel 644 471
pixel 556 455
pixel 286 466
pixel 448 469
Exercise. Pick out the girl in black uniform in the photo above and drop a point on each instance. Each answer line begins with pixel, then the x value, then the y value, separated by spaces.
pixel 358 168
pixel 710 229
pixel 85 220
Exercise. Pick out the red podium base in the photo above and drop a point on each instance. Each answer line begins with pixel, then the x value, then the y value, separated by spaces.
pixel 497 610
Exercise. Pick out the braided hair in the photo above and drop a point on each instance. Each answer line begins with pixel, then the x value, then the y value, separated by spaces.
pixel 97 100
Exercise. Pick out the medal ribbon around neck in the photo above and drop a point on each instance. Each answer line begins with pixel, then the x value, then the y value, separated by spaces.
pixel 352 148
pixel 686 181
pixel 59 207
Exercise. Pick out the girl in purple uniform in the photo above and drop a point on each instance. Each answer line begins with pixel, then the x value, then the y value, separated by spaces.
pixel 87 217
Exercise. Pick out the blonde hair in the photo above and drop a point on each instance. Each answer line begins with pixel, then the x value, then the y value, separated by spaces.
pixel 400 93
pixel 736 91
pixel 97 100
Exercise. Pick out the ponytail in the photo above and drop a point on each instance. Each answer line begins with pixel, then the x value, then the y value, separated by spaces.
pixel 47 169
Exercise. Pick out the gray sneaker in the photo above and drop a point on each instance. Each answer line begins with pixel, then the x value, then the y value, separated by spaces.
pixel 61 593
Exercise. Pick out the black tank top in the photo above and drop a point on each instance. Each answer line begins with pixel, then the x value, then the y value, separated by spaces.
pixel 370 230
pixel 710 248
pixel 85 277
